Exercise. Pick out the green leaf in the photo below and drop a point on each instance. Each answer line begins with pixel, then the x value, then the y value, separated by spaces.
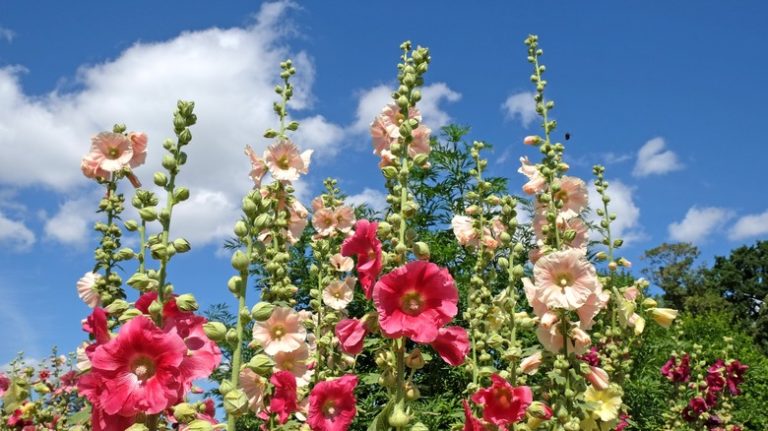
pixel 381 422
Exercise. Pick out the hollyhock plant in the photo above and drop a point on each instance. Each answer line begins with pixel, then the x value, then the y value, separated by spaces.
pixel 415 301
pixel 503 404
pixel 258 166
pixel 86 289
pixel 111 151
pixel 366 247
pixel 565 279
pixel 332 404
pixel 282 332
pixel 284 161
pixel 255 387
pixel 677 372
pixel 339 293
pixel 296 362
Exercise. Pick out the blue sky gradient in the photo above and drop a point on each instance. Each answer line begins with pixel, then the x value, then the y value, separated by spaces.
pixel 622 74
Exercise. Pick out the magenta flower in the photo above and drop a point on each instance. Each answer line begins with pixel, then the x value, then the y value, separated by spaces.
pixel 677 373
pixel 351 334
pixel 332 404
pixel 283 402
pixel 502 403
pixel 365 245
pixel 452 344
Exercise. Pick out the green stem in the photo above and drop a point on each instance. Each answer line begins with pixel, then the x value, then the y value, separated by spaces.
pixel 142 246
pixel 238 352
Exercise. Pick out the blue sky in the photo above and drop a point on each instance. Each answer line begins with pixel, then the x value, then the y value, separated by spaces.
pixel 670 95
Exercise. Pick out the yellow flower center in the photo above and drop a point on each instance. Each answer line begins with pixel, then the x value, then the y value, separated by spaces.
pixel 113 153
pixel 564 280
pixel 277 331
pixel 329 408
pixel 412 303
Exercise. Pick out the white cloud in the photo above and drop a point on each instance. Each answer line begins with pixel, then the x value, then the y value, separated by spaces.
pixel 653 159
pixel 371 102
pixel 212 209
pixel 229 73
pixel 627 223
pixel 749 226
pixel 71 224
pixel 15 235
pixel 7 34
pixel 521 105
pixel 373 198
pixel 699 223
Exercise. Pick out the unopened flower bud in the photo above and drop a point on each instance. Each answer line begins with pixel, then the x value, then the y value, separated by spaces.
pixel 390 172
pixel 418 426
pixel 181 245
pixel 235 402
pixel 160 179
pixel 415 360
pixel 184 412
pixel 601 256
pixel 137 427
pixel 240 261
pixel 117 307
pixel 411 392
pixel 235 284
pixel 216 331
pixel 187 302
pixel 649 303
pixel 231 337
pixel 199 425
pixel 261 364
pixel 262 311
pixel 383 229
pixel 131 225
pixel 128 315
pixel 241 230
pixel 398 418
pixel 421 159
pixel 421 250
pixel 531 140
pixel 148 214
pixel 169 162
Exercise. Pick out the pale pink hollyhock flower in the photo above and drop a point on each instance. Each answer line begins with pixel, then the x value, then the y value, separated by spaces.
pixel 550 338
pixel 91 167
pixel 258 166
pixel 539 307
pixel 573 195
pixel 317 203
pixel 598 377
pixel 295 362
pixel 465 233
pixel 596 302
pixel 324 222
pixel 342 263
pixel 338 294
pixel 139 143
pixel 536 181
pixel 420 142
pixel 387 159
pixel 282 332
pixel 531 140
pixel 297 222
pixel 530 364
pixel 113 151
pixel 86 289
pixel 284 161
pixel 548 319
pixel 345 218
pixel 581 340
pixel 254 387
pixel 385 128
pixel 565 279
pixel 581 237
pixel 631 293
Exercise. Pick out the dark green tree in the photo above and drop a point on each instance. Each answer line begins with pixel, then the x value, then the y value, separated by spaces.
pixel 670 266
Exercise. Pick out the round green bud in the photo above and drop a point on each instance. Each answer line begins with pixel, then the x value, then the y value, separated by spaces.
pixel 216 331
pixel 181 194
pixel 261 364
pixel 262 311
pixel 187 302
pixel 235 402
pixel 241 230
pixel 240 261
pixel 184 412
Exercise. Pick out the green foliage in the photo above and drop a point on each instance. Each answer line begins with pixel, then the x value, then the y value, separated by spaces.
pixel 670 266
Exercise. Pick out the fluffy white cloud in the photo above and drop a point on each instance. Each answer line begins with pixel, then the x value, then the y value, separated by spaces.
pixel 71 225
pixel 373 198
pixel 15 235
pixel 653 159
pixel 749 226
pixel 371 101
pixel 229 73
pixel 520 105
pixel 699 223
pixel 627 223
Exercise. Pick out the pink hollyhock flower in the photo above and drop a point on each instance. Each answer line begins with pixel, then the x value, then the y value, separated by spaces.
pixel 324 222
pixel 531 140
pixel 573 195
pixel 452 344
pixel 297 222
pixel 139 147
pixel 338 294
pixel 282 332
pixel 623 422
pixel 631 293
pixel 387 159
pixel 502 403
pixel 530 364
pixel 317 203
pixel 677 373
pixel 550 337
pixel 351 334
pixel 592 357
pixel 342 263
pixel 5 383
pixel 365 245
pixel 536 182
pixel 385 129
pixel 283 402
pixel 332 404
pixel 595 302
pixel 139 369
pixel 86 289
pixel 420 142
pixel 530 289
pixel 91 167
pixel 295 362
pixel 565 279
pixel 254 387
pixel 284 161
pixel 734 375
pixel 203 355
pixel 415 301
pixel 96 325
pixel 112 151
pixel 258 166
pixel 598 378
pixel 170 309
pixel 345 218
pixel 471 423
pixel 464 231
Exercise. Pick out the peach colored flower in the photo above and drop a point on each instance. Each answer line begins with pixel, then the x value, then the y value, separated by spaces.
pixel 565 279
pixel 536 181
pixel 463 228
pixel 530 364
pixel 385 128
pixel 139 146
pixel 295 362
pixel 581 237
pixel 254 387
pixel 86 289
pixel 317 203
pixel 345 218
pixel 282 332
pixel 596 302
pixel 581 340
pixel 284 161
pixel 297 221
pixel 573 195
pixel 342 263
pixel 420 142
pixel 387 159
pixel 324 222
pixel 258 166
pixel 92 168
pixel 113 151
pixel 631 293
pixel 338 294
pixel 550 338
pixel 530 289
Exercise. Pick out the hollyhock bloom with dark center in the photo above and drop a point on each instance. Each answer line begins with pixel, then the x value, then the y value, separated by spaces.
pixel 139 369
pixel 415 301
pixel 734 375
pixel 677 373
pixel 365 245
pixel 283 402
pixel 452 344
pixel 332 404
pixel 351 334
pixel 503 404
